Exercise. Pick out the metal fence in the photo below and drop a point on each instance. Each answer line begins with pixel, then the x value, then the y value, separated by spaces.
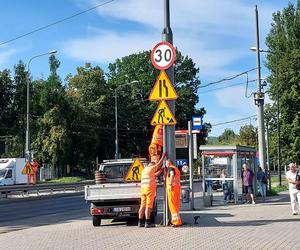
pixel 25 190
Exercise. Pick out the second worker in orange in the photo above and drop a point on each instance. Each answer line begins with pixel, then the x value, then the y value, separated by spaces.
pixel 173 191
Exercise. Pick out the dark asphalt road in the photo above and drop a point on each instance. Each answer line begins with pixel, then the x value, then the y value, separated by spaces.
pixel 24 213
pixel 18 214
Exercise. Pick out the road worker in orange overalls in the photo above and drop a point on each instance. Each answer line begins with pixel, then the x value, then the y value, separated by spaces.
pixel 173 192
pixel 148 191
pixel 35 167
pixel 156 145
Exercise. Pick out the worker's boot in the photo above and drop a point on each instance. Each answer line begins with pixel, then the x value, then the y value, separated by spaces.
pixel 141 223
pixel 148 224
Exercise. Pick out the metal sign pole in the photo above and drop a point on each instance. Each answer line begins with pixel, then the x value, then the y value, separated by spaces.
pixel 167 35
pixel 191 164
pixel 165 200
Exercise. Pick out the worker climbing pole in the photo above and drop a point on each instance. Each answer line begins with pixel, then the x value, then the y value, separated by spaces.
pixel 156 146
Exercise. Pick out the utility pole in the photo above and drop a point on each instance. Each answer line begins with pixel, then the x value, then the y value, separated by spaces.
pixel 259 101
pixel 278 122
pixel 169 131
pixel 167 35
pixel 191 164
pixel 268 158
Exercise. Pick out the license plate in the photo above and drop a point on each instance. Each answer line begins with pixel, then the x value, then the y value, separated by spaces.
pixel 122 209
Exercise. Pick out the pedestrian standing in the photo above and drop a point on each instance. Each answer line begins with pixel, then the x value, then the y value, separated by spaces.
pixel 293 179
pixel 148 192
pixel 247 177
pixel 225 187
pixel 262 182
pixel 173 192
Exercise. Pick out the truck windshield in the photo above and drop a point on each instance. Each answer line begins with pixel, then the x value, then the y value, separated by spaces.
pixel 2 172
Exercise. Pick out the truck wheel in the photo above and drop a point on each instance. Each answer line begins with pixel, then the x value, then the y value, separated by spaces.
pixel 96 220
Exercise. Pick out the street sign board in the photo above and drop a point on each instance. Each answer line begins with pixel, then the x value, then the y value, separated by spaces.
pixel 27 169
pixel 135 171
pixel 181 141
pixel 163 88
pixel 197 122
pixel 181 162
pixel 163 55
pixel 163 115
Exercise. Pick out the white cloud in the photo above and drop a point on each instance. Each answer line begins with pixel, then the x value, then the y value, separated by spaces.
pixel 6 54
pixel 234 98
pixel 108 46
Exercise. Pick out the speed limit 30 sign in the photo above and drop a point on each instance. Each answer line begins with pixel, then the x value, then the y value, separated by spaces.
pixel 163 55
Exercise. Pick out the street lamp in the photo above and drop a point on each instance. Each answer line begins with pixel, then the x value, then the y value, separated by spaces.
pixel 116 115
pixel 278 110
pixel 27 145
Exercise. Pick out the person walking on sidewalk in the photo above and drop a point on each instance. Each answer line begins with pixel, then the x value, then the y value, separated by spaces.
pixel 148 191
pixel 293 179
pixel 262 182
pixel 173 192
pixel 247 177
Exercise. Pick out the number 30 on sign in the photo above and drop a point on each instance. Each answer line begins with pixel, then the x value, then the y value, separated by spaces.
pixel 163 55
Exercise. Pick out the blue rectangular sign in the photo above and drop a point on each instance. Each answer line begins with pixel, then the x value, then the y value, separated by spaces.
pixel 181 162
pixel 197 122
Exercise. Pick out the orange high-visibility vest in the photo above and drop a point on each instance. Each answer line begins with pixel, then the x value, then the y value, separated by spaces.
pixel 148 179
pixel 176 180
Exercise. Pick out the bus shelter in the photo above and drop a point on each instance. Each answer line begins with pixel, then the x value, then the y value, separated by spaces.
pixel 223 164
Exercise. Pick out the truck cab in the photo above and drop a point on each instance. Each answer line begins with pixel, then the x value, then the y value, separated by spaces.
pixel 11 171
pixel 6 176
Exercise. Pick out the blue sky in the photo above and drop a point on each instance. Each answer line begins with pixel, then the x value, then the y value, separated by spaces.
pixel 216 34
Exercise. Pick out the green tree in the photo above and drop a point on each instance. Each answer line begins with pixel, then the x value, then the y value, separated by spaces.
pixel 247 135
pixel 6 97
pixel 91 136
pixel 228 137
pixel 50 128
pixel 283 41
pixel 6 108
pixel 19 110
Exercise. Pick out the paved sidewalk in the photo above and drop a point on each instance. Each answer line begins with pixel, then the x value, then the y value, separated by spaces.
pixel 268 225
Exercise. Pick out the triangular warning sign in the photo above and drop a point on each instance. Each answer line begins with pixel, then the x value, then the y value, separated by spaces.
pixel 163 115
pixel 27 169
pixel 163 88
pixel 135 171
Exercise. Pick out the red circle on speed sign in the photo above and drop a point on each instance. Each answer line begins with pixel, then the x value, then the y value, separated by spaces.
pixel 163 55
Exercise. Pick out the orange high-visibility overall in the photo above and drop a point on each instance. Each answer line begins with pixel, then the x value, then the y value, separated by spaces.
pixel 148 186
pixel 156 145
pixel 173 191
pixel 32 177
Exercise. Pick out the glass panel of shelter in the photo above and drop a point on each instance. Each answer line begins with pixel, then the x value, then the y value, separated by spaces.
pixel 218 171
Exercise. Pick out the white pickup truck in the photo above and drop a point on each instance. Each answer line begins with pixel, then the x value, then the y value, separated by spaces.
pixel 114 198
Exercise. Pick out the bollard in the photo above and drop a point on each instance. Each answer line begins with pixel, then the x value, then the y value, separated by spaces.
pixel 185 195
pixel 208 200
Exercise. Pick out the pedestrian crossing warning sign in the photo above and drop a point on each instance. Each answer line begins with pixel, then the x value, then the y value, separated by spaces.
pixel 163 115
pixel 27 169
pixel 163 88
pixel 135 171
